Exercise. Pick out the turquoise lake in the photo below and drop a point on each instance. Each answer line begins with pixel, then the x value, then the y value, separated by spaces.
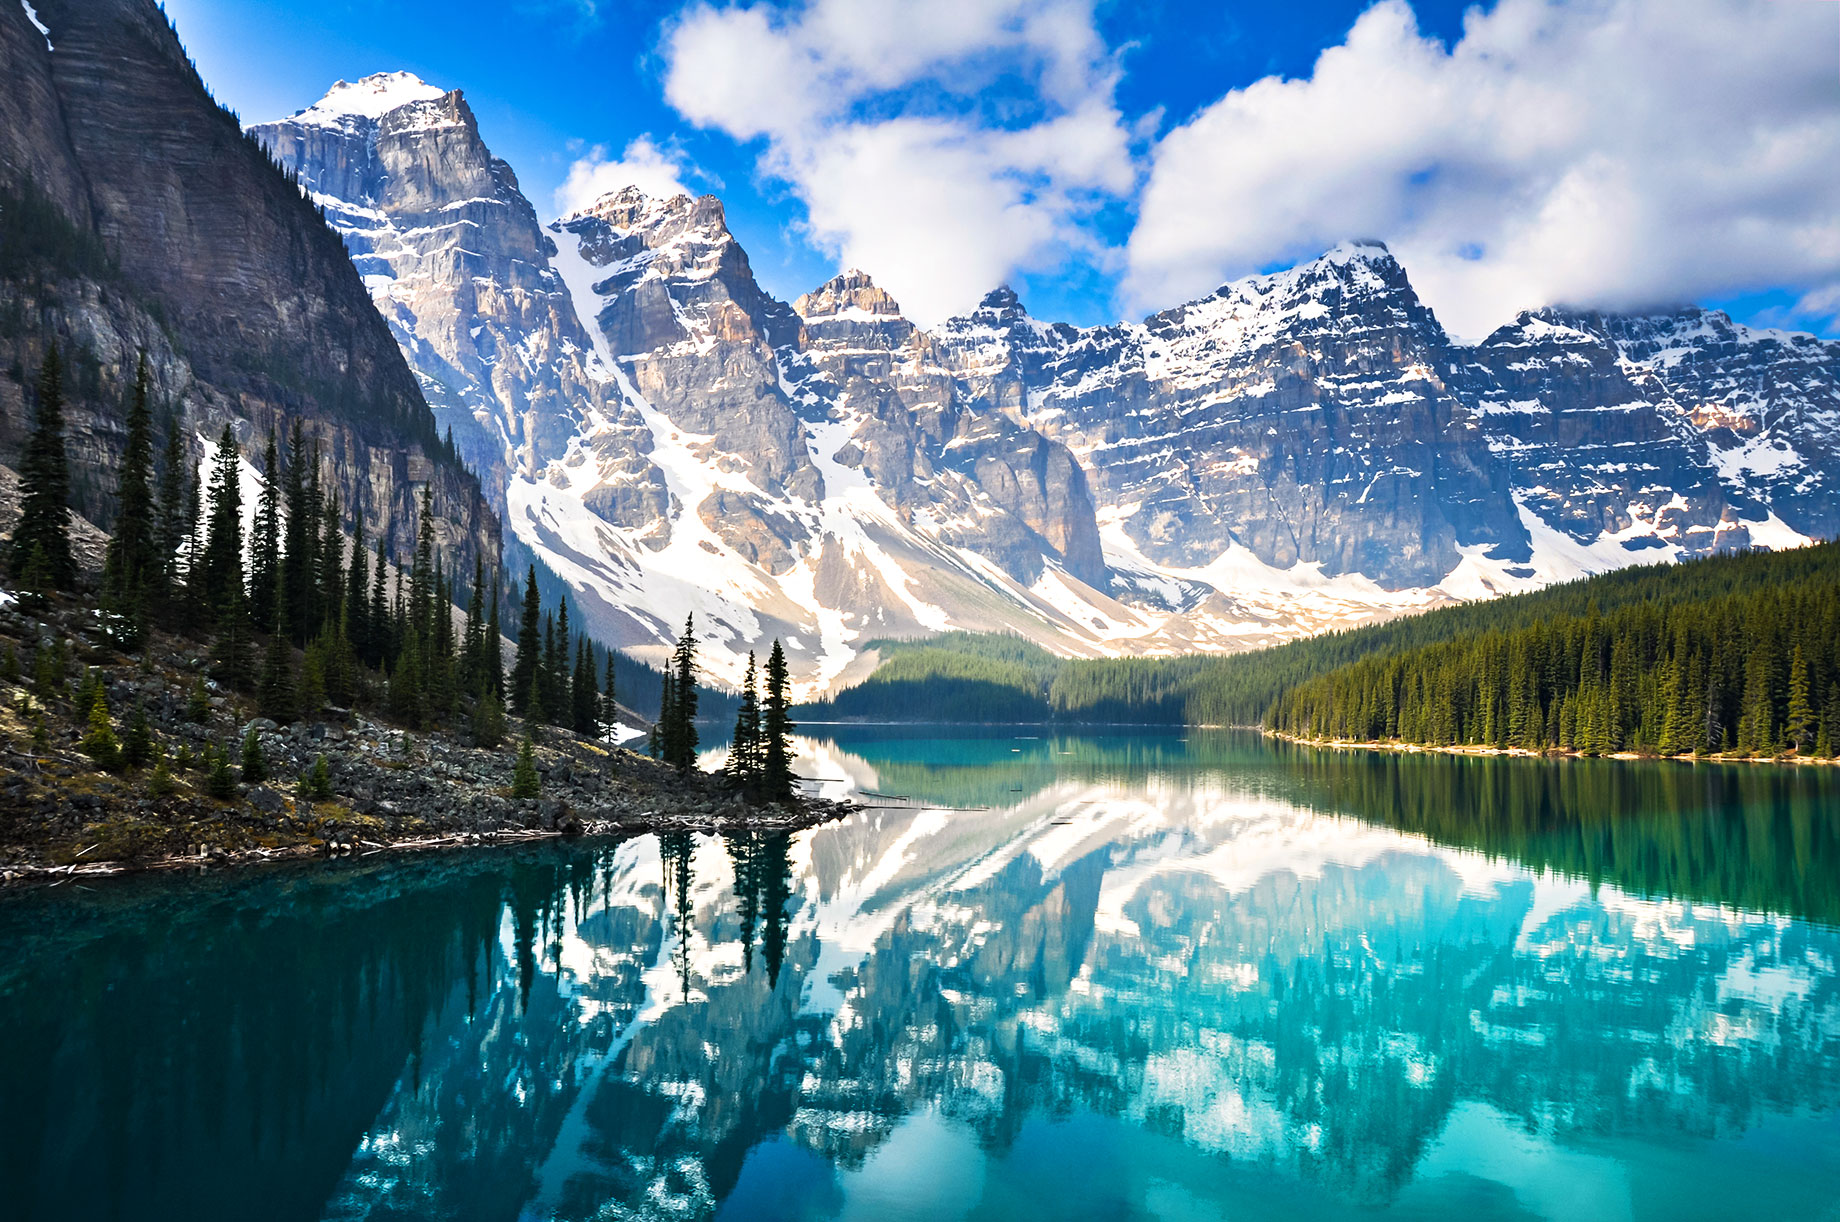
pixel 1088 977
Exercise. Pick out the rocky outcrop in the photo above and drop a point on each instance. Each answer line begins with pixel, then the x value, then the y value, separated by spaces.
pixel 180 238
pixel 458 265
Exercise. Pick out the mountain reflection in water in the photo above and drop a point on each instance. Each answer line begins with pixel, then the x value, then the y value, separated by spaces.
pixel 1121 977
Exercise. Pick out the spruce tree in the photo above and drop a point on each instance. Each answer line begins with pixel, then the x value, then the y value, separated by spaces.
pixel 255 764
pixel 529 652
pixel 495 647
pixel 525 782
pixel 331 559
pixel 357 581
pixel 744 756
pixel 610 705
pixel 297 550
pixel 130 571
pixel 174 476
pixel 275 687
pixel 221 567
pixel 377 619
pixel 137 745
pixel 586 694
pixel 41 540
pixel 1800 725
pixel 265 546
pixel 231 652
pixel 776 730
pixel 99 743
pixel 473 637
pixel 680 730
pixel 488 721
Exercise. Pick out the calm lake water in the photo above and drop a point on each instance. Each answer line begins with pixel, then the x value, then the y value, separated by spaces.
pixel 1048 977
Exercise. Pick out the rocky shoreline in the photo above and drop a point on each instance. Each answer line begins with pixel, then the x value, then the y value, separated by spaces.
pixel 387 788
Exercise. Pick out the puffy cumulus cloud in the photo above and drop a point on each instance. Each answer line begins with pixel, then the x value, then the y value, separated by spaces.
pixel 938 144
pixel 655 170
pixel 1617 153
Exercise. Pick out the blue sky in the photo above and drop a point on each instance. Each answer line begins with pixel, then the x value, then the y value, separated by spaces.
pixel 1113 158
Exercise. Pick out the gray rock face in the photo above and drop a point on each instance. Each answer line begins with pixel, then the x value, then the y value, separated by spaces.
pixel 212 263
pixel 457 263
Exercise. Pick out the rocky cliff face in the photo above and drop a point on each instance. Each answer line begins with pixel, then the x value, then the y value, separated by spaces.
pixel 193 247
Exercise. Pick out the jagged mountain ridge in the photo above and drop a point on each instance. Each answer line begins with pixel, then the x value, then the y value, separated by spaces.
pixel 1294 452
pixel 180 240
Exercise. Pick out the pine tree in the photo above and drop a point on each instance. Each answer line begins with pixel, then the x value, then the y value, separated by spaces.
pixel 172 530
pixel 316 782
pixel 488 721
pixel 377 618
pixel 265 547
pixel 220 781
pixel 525 783
pixel 356 621
pixel 297 558
pixel 137 745
pixel 221 567
pixel 656 740
pixel 473 637
pixel 231 652
pixel 255 764
pixel 275 687
pixel 586 694
pixel 610 705
pixel 776 730
pixel 495 648
pixel 41 540
pixel 529 653
pixel 331 558
pixel 1800 725
pixel 421 572
pixel 130 571
pixel 99 743
pixel 680 740
pixel 744 756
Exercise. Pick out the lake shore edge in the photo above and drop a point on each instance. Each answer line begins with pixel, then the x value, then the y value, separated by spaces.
pixel 1406 748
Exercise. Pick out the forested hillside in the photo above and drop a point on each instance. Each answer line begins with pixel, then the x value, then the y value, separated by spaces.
pixel 1720 635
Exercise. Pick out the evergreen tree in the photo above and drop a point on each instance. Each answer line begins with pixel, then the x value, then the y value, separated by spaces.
pixel 221 567
pixel 131 569
pixel 745 757
pixel 610 705
pixel 357 581
pixel 220 781
pixel 473 637
pixel 377 618
pixel 41 540
pixel 656 740
pixel 316 782
pixel 172 529
pixel 776 730
pixel 680 740
pixel 99 743
pixel 421 572
pixel 524 679
pixel 297 557
pixel 585 714
pixel 330 555
pixel 495 649
pixel 1801 724
pixel 255 764
pixel 488 721
pixel 137 745
pixel 525 783
pixel 265 547
pixel 407 691
pixel 231 652
pixel 275 687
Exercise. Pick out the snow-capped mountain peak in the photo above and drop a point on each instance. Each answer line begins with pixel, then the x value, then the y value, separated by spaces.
pixel 370 97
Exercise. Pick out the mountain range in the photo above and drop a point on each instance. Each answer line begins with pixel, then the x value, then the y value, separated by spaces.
pixel 1296 452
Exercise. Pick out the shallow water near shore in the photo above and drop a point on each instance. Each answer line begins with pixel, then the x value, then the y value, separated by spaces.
pixel 1040 976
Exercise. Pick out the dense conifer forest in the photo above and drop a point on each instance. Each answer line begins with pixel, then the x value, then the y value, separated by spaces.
pixel 1731 654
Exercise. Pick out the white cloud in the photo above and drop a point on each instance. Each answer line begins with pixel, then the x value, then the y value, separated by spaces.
pixel 654 170
pixel 1601 152
pixel 940 145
